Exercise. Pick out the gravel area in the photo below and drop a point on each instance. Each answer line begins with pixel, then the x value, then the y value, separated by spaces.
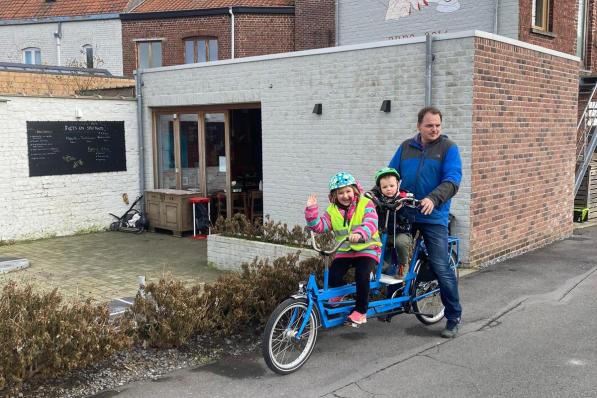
pixel 134 365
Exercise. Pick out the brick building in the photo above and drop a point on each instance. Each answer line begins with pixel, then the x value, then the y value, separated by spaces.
pixel 509 105
pixel 161 33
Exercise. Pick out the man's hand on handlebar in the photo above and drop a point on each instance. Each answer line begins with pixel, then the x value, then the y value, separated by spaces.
pixel 427 206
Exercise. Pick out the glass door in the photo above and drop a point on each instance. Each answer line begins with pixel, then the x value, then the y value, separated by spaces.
pixel 190 165
pixel 216 161
pixel 166 162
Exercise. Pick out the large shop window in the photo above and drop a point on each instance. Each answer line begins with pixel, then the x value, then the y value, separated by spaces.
pixel 200 49
pixel 32 56
pixel 216 153
pixel 542 15
pixel 149 54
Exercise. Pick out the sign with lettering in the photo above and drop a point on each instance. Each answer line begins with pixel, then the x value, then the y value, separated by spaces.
pixel 77 147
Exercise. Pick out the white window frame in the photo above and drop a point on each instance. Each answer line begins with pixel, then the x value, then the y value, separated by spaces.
pixel 35 55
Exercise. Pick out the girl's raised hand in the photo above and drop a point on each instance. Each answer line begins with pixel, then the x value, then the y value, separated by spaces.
pixel 312 200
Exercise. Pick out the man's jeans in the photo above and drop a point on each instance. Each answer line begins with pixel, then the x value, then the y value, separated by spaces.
pixel 436 241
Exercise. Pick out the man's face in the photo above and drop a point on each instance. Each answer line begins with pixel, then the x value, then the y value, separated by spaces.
pixel 389 186
pixel 430 128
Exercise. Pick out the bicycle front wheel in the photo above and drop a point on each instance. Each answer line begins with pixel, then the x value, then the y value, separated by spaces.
pixel 283 352
pixel 428 310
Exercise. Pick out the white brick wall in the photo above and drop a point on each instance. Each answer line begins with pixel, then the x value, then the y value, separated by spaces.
pixel 32 207
pixel 362 21
pixel 302 150
pixel 229 253
pixel 104 35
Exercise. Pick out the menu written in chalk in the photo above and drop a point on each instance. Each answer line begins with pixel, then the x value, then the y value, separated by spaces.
pixel 77 147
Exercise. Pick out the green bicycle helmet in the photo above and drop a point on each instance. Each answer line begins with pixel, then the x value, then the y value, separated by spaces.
pixel 386 171
pixel 340 180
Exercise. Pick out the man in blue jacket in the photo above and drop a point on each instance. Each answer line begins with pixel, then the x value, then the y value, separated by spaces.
pixel 430 166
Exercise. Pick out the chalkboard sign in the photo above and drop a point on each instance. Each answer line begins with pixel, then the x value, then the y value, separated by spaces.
pixel 77 147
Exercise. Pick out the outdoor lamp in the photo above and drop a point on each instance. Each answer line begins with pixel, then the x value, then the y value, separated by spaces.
pixel 317 109
pixel 386 106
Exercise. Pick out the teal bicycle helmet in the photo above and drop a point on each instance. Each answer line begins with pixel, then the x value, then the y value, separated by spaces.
pixel 340 180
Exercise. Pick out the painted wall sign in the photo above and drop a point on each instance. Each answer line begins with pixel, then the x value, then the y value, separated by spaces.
pixel 75 147
pixel 403 8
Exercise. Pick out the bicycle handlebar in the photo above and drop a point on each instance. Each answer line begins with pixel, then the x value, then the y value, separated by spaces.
pixel 332 250
pixel 409 201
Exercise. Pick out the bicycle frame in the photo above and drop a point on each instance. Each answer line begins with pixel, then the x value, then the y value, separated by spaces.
pixel 330 317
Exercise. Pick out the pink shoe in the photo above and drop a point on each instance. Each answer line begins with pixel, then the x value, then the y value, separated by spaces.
pixel 357 318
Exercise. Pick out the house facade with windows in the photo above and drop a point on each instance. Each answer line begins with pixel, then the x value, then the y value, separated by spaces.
pixel 563 25
pixel 63 33
pixel 160 33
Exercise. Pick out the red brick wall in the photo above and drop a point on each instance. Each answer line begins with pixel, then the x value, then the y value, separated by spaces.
pixel 565 13
pixel 255 35
pixel 263 34
pixel 315 24
pixel 523 150
pixel 173 30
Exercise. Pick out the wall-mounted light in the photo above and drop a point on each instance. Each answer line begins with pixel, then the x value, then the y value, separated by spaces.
pixel 318 109
pixel 386 106
pixel 78 113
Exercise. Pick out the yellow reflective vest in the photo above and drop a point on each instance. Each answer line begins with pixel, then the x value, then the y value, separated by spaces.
pixel 342 231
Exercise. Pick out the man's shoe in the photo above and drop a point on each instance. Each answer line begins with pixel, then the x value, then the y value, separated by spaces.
pixel 357 318
pixel 451 329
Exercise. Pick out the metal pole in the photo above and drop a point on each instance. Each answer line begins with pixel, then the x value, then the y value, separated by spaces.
pixel 140 131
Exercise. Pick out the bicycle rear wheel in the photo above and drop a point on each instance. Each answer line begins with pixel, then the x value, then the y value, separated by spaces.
pixel 428 310
pixel 282 351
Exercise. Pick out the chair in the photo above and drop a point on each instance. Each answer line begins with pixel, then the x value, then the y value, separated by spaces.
pixel 256 207
pixel 220 204
pixel 240 203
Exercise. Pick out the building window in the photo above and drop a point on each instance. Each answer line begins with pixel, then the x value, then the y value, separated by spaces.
pixel 87 51
pixel 200 49
pixel 149 54
pixel 541 15
pixel 32 56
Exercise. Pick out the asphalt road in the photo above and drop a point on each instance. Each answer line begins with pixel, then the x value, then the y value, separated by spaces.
pixel 530 330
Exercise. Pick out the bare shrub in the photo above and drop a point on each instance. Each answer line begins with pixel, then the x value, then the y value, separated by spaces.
pixel 41 335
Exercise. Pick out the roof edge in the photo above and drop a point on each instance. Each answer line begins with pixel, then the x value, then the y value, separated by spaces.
pixel 132 16
pixel 77 18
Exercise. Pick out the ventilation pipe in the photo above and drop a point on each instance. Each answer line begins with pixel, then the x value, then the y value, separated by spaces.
pixel 231 32
pixel 428 63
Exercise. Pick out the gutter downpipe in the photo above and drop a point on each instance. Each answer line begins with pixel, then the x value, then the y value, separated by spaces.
pixel 231 32
pixel 428 64
pixel 140 132
pixel 495 21
pixel 58 36
pixel 337 22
